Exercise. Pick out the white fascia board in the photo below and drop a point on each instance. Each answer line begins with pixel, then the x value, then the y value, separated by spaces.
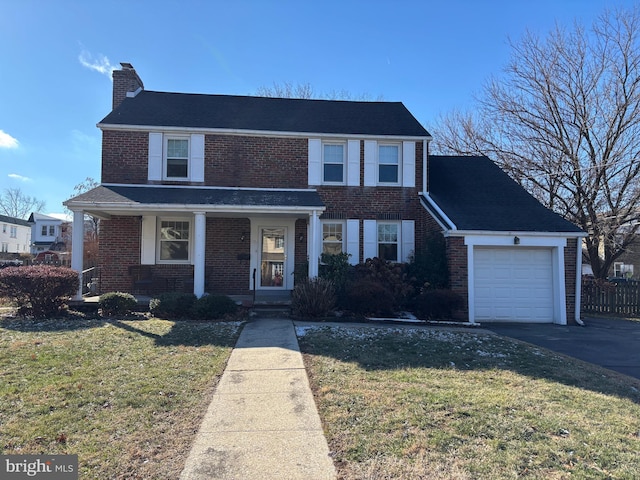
pixel 507 240
pixel 434 205
pixel 512 233
pixel 207 187
pixel 138 209
pixel 254 133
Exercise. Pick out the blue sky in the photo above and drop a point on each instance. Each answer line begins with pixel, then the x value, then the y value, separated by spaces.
pixel 56 57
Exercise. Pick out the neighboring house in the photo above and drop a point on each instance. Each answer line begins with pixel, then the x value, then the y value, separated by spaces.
pixel 15 235
pixel 49 239
pixel 230 194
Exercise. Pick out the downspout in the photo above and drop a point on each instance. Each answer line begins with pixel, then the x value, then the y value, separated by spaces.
pixel 425 158
pixel 578 281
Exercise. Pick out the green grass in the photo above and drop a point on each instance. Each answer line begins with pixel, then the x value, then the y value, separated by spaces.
pixel 428 404
pixel 126 396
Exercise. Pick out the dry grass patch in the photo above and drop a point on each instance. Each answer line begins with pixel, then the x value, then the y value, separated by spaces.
pixel 427 404
pixel 126 396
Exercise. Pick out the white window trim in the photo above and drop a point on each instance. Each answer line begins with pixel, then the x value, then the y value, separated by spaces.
pixel 344 234
pixel 398 145
pixel 344 161
pixel 189 220
pixel 165 148
pixel 398 241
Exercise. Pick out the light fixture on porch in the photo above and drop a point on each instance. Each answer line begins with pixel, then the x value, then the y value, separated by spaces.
pixel 243 235
pixel 516 240
pixel 301 238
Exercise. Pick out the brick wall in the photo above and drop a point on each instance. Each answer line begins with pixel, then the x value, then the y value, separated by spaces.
pixel 227 256
pixel 119 248
pixel 570 253
pixel 125 156
pixel 458 271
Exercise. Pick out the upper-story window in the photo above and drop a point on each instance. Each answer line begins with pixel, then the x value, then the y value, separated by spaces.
pixel 389 161
pixel 14 232
pixel 4 228
pixel 333 162
pixel 44 230
pixel 177 157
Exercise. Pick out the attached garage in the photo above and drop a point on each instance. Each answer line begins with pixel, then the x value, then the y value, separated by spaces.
pixel 513 284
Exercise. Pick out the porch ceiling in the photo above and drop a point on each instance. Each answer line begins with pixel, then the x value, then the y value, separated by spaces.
pixel 107 200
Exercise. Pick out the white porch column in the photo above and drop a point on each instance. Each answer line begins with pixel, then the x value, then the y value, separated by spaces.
pixel 77 248
pixel 314 248
pixel 199 242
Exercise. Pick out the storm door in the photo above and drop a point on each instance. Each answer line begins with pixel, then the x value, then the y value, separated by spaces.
pixel 273 257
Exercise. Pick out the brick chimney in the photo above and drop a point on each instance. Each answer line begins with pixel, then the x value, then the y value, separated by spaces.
pixel 125 81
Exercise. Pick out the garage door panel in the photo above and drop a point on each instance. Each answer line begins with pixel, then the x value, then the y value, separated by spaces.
pixel 513 284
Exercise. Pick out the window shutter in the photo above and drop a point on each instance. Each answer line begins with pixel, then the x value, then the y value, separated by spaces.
pixel 154 168
pixel 370 162
pixel 353 163
pixel 408 238
pixel 408 164
pixel 148 240
pixel 353 241
pixel 197 158
pixel 370 231
pixel 315 161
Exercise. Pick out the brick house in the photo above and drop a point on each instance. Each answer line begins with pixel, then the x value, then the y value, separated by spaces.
pixel 231 194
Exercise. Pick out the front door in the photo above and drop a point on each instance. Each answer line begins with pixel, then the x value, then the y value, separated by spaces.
pixel 273 257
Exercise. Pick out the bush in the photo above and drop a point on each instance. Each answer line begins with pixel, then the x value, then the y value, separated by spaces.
pixel 336 268
pixel 172 305
pixel 314 297
pixel 40 290
pixel 391 276
pixel 367 297
pixel 117 303
pixel 213 307
pixel 437 304
pixel 428 265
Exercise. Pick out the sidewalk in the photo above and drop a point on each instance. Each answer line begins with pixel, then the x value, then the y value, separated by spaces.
pixel 262 422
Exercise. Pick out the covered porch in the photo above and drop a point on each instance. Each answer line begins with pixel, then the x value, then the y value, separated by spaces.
pixel 202 239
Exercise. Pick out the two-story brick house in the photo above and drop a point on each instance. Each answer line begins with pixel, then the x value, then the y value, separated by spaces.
pixel 231 194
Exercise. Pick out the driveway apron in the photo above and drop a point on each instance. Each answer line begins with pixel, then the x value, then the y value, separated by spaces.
pixel 612 343
pixel 262 422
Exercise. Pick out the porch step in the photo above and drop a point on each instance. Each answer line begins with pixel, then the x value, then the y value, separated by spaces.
pixel 271 310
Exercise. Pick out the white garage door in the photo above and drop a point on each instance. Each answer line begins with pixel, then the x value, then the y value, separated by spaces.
pixel 513 284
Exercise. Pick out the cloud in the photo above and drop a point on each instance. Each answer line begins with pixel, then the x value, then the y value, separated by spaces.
pixel 7 141
pixel 100 64
pixel 15 176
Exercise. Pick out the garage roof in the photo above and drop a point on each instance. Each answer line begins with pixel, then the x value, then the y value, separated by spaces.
pixel 477 195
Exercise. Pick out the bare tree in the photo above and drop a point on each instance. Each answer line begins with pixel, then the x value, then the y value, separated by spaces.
pixel 564 121
pixel 306 91
pixel 16 204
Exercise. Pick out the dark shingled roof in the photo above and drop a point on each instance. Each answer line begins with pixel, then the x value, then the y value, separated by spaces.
pixel 15 221
pixel 477 195
pixel 163 109
pixel 127 196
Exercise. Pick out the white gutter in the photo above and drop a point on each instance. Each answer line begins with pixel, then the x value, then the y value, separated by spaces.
pixel 462 233
pixel 255 133
pixel 451 226
pixel 208 187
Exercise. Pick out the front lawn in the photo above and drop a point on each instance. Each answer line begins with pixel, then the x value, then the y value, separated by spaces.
pixel 429 404
pixel 126 396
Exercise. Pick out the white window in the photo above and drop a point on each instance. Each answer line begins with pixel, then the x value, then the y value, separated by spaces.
pixel 14 232
pixel 174 241
pixel 4 228
pixel 333 162
pixel 5 247
pixel 44 231
pixel 52 230
pixel 176 160
pixel 388 244
pixel 332 238
pixel 621 270
pixel 389 162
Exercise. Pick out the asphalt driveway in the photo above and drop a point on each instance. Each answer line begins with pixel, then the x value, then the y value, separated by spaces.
pixel 612 343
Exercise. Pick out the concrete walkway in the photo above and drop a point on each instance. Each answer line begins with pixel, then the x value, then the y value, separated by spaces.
pixel 262 422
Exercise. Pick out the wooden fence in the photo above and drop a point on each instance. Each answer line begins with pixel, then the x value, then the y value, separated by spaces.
pixel 622 298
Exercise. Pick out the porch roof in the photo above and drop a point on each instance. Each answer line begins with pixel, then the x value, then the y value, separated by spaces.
pixel 134 199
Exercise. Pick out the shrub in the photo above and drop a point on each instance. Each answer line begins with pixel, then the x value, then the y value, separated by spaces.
pixel 437 304
pixel 40 290
pixel 117 303
pixel 213 307
pixel 367 297
pixel 392 276
pixel 172 305
pixel 428 265
pixel 336 268
pixel 314 297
